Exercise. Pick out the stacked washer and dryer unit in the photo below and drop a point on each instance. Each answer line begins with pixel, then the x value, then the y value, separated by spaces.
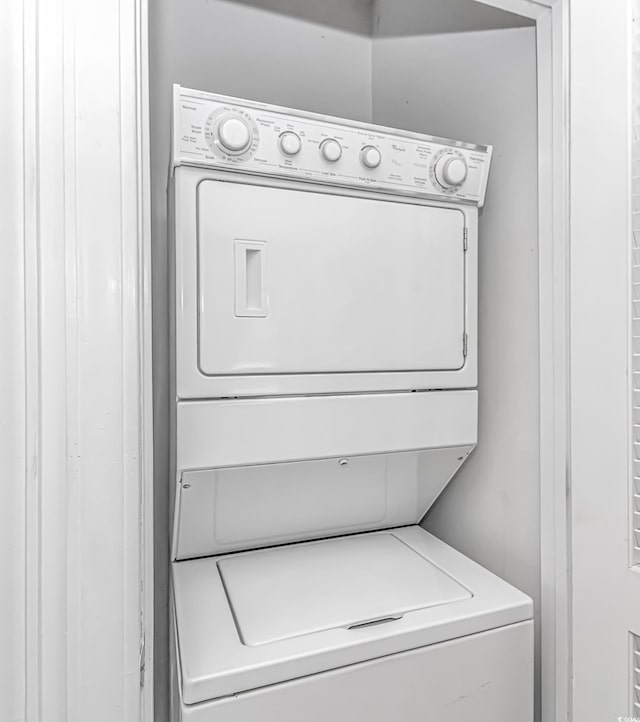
pixel 325 373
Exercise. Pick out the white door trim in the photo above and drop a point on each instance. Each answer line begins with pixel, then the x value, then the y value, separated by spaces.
pixel 606 588
pixel 76 438
pixel 554 234
pixel 13 403
pixel 147 555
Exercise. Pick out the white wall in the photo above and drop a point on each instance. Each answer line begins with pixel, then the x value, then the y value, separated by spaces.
pixel 271 50
pixel 481 87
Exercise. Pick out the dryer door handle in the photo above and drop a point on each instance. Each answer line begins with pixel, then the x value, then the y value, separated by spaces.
pixel 250 281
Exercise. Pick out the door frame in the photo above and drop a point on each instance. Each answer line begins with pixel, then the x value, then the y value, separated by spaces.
pixel 554 287
pixel 75 395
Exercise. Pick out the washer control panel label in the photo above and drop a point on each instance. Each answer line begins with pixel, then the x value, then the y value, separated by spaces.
pixel 219 132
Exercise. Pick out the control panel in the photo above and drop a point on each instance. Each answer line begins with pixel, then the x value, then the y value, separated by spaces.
pixel 249 137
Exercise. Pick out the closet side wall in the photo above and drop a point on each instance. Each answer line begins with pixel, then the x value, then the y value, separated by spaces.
pixel 243 50
pixel 481 87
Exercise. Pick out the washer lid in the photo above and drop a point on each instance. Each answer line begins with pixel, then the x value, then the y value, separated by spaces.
pixel 229 642
pixel 355 581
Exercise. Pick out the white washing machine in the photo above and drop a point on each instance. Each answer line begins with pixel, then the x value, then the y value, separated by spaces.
pixel 325 373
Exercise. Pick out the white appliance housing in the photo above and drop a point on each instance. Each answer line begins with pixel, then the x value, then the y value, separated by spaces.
pixel 253 316
pixel 325 329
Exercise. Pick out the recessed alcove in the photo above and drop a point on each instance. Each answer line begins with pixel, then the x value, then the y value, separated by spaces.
pixel 450 68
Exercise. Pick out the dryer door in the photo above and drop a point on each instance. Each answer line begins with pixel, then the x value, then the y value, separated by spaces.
pixel 299 282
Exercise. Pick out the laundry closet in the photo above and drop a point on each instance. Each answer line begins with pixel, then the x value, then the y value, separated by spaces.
pixel 331 380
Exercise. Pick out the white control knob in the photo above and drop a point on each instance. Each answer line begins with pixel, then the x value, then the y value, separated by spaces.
pixel 370 157
pixel 330 150
pixel 451 170
pixel 234 133
pixel 290 143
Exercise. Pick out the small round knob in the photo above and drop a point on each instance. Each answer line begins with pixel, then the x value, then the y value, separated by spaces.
pixel 234 134
pixel 370 157
pixel 451 170
pixel 330 150
pixel 290 143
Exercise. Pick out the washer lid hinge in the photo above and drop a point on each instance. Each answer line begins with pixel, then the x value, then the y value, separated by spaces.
pixel 464 345
pixel 465 239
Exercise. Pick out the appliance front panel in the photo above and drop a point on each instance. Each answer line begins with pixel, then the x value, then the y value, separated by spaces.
pixel 485 677
pixel 245 507
pixel 245 136
pixel 295 282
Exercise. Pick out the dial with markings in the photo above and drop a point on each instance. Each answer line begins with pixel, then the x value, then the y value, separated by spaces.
pixel 231 134
pixel 289 143
pixel 370 157
pixel 451 170
pixel 330 150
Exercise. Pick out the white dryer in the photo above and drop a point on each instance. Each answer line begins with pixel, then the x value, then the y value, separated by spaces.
pixel 325 365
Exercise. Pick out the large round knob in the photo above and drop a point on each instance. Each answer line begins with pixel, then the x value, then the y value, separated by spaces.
pixel 370 157
pixel 234 134
pixel 451 170
pixel 330 150
pixel 290 143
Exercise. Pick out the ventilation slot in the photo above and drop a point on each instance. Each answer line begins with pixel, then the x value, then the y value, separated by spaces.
pixel 635 677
